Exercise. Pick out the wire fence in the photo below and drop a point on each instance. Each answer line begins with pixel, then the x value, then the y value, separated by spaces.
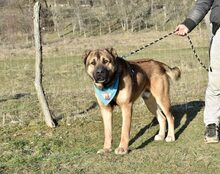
pixel 69 90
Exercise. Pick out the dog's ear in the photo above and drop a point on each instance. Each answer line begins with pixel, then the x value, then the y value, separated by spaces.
pixel 112 51
pixel 86 54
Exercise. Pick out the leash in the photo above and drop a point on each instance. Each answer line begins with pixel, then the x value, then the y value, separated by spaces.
pixel 195 54
pixel 145 46
pixel 163 37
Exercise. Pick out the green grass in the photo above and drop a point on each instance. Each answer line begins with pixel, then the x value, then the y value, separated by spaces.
pixel 27 145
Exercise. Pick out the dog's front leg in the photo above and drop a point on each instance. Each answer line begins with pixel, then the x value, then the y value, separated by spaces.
pixel 106 112
pixel 126 126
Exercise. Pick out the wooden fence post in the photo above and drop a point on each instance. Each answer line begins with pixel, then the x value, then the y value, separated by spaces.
pixel 38 68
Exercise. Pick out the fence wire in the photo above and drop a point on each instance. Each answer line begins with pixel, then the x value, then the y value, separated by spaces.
pixel 68 88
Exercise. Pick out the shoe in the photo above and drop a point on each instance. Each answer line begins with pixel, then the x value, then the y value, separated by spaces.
pixel 211 134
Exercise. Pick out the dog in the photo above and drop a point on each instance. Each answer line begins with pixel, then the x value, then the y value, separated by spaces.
pixel 120 82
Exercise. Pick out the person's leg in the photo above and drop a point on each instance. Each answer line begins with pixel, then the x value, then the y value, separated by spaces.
pixel 212 97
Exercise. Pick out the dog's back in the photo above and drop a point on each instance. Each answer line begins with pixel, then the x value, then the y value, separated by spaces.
pixel 151 67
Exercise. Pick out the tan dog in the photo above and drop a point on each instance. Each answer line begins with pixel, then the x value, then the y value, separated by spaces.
pixel 145 77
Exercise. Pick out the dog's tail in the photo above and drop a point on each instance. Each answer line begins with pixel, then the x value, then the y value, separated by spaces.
pixel 174 73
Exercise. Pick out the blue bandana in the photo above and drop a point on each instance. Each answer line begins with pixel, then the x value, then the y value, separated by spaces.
pixel 106 94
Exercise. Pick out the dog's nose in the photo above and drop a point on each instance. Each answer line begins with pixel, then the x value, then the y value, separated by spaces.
pixel 99 70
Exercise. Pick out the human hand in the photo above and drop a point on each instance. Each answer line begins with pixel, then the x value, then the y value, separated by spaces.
pixel 181 30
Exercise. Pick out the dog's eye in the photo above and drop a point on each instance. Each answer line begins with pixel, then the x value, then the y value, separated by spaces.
pixel 93 62
pixel 105 61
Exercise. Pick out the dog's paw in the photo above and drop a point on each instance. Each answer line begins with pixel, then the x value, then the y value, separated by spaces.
pixel 103 151
pixel 121 151
pixel 159 137
pixel 170 139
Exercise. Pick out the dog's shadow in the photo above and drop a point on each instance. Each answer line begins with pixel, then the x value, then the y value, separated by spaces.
pixel 188 110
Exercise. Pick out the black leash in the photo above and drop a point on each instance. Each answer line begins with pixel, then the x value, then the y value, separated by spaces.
pixel 195 54
pixel 145 46
pixel 163 37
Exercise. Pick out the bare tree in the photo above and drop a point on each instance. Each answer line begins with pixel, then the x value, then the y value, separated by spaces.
pixel 123 14
pixel 78 14
pixel 38 68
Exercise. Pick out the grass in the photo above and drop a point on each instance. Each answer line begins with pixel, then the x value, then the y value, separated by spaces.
pixel 29 146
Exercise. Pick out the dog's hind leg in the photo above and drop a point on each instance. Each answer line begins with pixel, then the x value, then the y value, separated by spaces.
pixel 150 102
pixel 164 104
pixel 152 106
pixel 162 122
pixel 160 90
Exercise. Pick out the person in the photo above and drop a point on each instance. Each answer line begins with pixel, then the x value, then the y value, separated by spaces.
pixel 212 94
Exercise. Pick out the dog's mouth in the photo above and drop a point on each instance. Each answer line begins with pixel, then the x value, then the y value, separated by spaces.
pixel 100 78
pixel 101 75
pixel 100 81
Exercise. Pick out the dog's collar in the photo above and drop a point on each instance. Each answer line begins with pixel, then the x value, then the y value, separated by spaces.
pixel 106 94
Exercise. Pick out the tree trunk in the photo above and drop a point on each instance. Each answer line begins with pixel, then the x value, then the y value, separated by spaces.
pixel 38 68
